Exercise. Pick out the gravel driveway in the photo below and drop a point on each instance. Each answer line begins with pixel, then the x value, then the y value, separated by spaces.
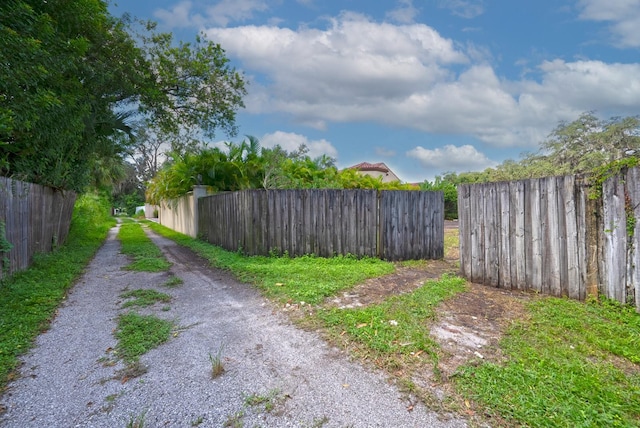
pixel 300 380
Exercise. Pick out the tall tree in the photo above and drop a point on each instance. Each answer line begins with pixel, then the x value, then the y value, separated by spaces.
pixel 587 143
pixel 193 86
pixel 67 72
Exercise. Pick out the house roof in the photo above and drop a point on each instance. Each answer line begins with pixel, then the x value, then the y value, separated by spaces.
pixel 366 166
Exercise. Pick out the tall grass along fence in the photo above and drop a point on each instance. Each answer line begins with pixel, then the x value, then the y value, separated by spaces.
pixel 550 236
pixel 394 225
pixel 33 219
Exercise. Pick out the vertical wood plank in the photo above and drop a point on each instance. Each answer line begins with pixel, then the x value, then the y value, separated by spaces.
pixel 615 239
pixel 574 261
pixel 561 239
pixel 477 234
pixel 517 222
pixel 464 228
pixel 633 188
pixel 506 250
pixel 536 196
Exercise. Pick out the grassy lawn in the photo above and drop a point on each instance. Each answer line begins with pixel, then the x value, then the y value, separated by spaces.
pixel 28 299
pixel 306 279
pixel 147 257
pixel 569 364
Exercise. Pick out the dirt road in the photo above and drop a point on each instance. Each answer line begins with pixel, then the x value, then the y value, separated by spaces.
pixel 71 378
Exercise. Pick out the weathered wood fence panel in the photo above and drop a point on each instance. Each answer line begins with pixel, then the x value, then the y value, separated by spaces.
pixel 411 225
pixel 548 236
pixel 325 222
pixel 35 219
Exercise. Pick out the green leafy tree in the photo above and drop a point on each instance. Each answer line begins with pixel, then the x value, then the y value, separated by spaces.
pixel 588 143
pixel 248 166
pixel 193 87
pixel 448 186
pixel 68 71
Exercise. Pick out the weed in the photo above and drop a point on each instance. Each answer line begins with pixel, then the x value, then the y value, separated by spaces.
pixel 319 422
pixel 135 243
pixel 136 421
pixel 144 297
pixel 5 247
pixel 132 370
pixel 111 398
pixel 137 334
pixel 217 366
pixel 269 400
pixel 235 420
pixel 196 422
pixel 173 282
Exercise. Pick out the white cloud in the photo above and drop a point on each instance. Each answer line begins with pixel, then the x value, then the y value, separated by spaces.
pixel 410 76
pixel 464 8
pixel 624 16
pixel 179 16
pixel 604 86
pixel 405 13
pixel 451 158
pixel 291 141
pixel 227 11
pixel 221 13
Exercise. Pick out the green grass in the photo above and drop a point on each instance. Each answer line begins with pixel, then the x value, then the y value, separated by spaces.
pixel 173 282
pixel 28 299
pixel 569 364
pixel 138 334
pixel 301 279
pixel 147 257
pixel 398 326
pixel 144 297
pixel 270 400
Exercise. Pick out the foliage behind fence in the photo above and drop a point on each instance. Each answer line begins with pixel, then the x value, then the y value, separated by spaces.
pixel 394 225
pixel 549 236
pixel 35 219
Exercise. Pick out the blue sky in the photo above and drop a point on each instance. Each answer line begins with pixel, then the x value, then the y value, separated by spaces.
pixel 425 86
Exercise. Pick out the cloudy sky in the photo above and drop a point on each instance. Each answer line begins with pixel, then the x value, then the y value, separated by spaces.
pixel 426 86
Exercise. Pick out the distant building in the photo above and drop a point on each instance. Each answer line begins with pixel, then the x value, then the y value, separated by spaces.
pixel 376 170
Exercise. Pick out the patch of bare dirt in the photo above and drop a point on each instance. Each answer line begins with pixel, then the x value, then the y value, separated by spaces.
pixel 471 324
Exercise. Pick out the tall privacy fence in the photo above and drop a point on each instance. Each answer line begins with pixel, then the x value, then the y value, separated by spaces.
pixel 394 225
pixel 548 235
pixel 33 219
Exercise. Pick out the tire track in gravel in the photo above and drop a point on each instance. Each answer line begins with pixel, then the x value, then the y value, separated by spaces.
pixel 65 382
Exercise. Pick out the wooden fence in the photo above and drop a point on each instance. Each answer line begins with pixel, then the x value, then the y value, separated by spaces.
pixel 35 219
pixel 549 236
pixel 394 225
